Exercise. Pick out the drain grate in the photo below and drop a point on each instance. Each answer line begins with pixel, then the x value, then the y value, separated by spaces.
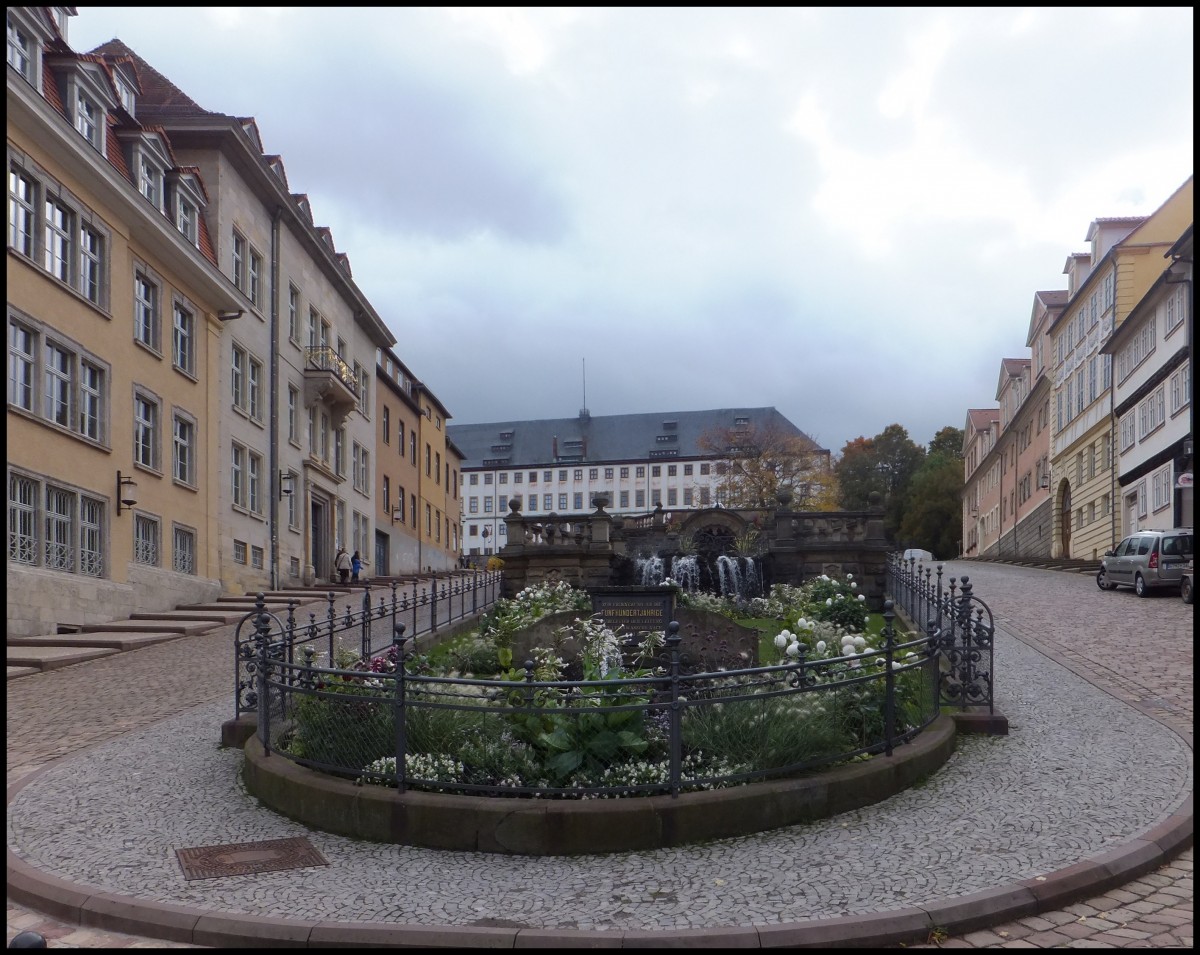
pixel 248 858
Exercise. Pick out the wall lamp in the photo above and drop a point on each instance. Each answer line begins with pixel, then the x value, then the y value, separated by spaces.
pixel 286 484
pixel 397 515
pixel 230 314
pixel 126 497
pixel 1044 483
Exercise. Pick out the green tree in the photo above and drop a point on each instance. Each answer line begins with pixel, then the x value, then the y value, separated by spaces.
pixel 856 474
pixel 947 441
pixel 932 517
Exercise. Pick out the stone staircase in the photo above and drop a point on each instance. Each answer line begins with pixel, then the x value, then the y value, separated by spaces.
pixel 1071 565
pixel 36 654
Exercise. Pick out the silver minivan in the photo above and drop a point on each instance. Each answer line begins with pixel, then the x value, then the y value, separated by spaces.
pixel 1147 560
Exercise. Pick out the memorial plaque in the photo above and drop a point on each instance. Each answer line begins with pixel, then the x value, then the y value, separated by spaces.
pixel 634 611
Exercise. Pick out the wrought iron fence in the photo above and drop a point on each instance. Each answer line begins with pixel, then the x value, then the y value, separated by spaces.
pixel 956 621
pixel 393 721
pixel 440 602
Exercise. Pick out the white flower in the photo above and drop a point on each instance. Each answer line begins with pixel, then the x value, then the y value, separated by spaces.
pixel 780 641
pixel 793 650
pixel 859 643
pixel 820 646
pixel 828 601
pixel 862 596
pixel 849 576
pixel 853 586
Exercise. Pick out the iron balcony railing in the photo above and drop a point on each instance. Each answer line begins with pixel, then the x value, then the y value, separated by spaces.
pixel 326 358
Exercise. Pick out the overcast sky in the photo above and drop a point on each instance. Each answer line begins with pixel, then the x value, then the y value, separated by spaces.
pixel 841 213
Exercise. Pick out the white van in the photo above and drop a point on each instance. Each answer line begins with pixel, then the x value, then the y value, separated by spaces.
pixel 921 556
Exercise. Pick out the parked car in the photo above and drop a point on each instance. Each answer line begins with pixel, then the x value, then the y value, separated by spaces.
pixel 1185 583
pixel 916 553
pixel 1147 560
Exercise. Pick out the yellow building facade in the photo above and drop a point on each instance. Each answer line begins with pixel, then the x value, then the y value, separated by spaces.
pixel 113 297
pixel 1104 285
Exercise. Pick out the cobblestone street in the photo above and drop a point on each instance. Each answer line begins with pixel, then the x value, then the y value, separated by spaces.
pixel 1115 646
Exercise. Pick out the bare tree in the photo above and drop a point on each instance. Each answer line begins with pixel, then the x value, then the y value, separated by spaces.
pixel 755 462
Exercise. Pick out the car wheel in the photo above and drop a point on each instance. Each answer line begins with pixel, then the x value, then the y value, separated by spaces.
pixel 1139 586
pixel 1103 582
pixel 1185 591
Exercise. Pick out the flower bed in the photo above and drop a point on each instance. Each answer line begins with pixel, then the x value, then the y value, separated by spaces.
pixel 469 722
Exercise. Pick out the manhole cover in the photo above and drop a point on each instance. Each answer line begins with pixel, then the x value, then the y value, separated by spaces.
pixel 247 858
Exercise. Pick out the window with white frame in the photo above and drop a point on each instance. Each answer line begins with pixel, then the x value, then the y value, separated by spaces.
pixel 1128 430
pixel 187 218
pixel 183 550
pixel 254 389
pixel 21 51
pixel 340 456
pixel 1181 388
pixel 183 339
pixel 239 551
pixel 1174 310
pixel 22 212
pixel 91 264
pixel 339 521
pixel 22 519
pixel 239 252
pixel 254 475
pixel 59 375
pixel 361 475
pixel 254 278
pixel 1152 412
pixel 1141 499
pixel 183 463
pixel 88 119
pixel 1160 483
pixel 237 475
pixel 292 507
pixel 58 250
pixel 256 557
pixel 59 551
pixel 293 313
pixel 237 376
pixel 145 310
pixel 145 430
pixel 293 414
pixel 145 540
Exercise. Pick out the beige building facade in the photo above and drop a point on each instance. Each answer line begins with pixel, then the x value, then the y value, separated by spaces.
pixel 297 435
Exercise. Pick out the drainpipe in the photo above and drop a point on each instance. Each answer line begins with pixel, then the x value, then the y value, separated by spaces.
pixel 273 434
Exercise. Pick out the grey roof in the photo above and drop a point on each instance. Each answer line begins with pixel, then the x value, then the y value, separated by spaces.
pixel 624 437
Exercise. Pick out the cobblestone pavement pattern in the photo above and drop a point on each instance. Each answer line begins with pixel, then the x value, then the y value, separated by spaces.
pixel 1063 615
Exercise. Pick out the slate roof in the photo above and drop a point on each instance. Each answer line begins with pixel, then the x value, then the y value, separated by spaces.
pixel 653 436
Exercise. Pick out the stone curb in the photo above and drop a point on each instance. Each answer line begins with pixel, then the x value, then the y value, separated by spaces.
pixel 1091 876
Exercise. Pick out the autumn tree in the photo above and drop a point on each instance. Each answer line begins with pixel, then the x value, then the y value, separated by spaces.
pixel 947 441
pixel 754 462
pixel 885 463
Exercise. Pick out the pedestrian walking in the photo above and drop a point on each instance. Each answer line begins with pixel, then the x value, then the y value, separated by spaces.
pixel 342 564
pixel 355 567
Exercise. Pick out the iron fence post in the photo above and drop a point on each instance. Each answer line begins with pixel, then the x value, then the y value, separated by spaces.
pixel 331 618
pixel 399 713
pixel 676 736
pixel 262 636
pixel 364 625
pixel 475 590
pixel 889 676
pixel 433 603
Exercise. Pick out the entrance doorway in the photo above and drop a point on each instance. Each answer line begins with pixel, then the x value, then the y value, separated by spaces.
pixel 1065 520
pixel 318 530
pixel 381 555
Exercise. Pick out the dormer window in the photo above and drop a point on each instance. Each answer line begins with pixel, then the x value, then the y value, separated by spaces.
pixel 185 220
pixel 150 181
pixel 20 50
pixel 87 119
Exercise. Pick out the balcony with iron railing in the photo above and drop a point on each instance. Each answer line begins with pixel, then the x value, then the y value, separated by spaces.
pixel 329 380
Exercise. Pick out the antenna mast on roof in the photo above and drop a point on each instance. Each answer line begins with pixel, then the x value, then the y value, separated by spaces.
pixel 584 414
